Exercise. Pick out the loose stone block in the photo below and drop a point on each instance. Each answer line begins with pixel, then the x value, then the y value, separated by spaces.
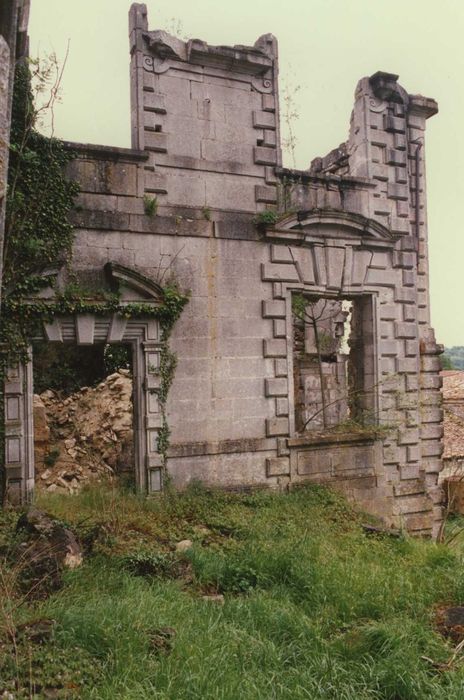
pixel 430 431
pixel 394 124
pixel 409 487
pixel 395 157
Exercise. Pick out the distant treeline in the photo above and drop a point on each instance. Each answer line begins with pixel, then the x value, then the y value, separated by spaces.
pixel 453 358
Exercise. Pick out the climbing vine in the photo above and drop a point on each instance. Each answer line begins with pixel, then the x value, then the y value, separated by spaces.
pixel 38 235
pixel 38 240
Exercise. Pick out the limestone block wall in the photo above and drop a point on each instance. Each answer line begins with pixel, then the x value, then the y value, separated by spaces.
pixel 352 227
pixel 208 118
pixel 14 17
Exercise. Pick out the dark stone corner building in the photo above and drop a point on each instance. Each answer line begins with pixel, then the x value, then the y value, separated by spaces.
pixel 347 391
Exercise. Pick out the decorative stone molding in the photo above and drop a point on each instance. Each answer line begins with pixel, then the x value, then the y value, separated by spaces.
pixel 142 334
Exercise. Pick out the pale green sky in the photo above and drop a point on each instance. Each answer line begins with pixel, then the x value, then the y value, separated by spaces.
pixel 325 46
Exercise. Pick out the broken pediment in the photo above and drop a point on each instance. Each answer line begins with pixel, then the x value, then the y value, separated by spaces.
pixel 128 284
pixel 132 285
pixel 317 225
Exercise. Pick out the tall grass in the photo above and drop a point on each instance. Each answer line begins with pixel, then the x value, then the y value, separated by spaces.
pixel 313 608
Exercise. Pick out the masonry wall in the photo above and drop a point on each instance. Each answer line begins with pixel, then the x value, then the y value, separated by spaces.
pixel 14 16
pixel 206 146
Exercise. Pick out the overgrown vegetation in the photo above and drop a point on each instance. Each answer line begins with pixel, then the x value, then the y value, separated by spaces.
pixel 39 237
pixel 268 217
pixel 313 607
pixel 453 358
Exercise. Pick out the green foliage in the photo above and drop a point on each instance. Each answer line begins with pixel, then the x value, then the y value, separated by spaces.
pixel 67 368
pixel 34 670
pixel 116 357
pixel 39 198
pixel 151 564
pixel 150 205
pixel 38 235
pixel 447 362
pixel 206 211
pixel 313 607
pixel 265 218
pixel 453 358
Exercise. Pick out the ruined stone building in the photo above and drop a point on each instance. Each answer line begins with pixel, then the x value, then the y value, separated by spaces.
pixel 305 352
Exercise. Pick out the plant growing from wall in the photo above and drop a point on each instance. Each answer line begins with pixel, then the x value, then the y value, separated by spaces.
pixel 290 114
pixel 206 211
pixel 150 205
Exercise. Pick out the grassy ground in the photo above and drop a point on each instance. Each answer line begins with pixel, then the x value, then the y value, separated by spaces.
pixel 313 607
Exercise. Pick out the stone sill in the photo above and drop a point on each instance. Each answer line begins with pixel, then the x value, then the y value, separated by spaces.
pixel 333 438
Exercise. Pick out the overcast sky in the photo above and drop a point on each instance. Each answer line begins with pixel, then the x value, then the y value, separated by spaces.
pixel 325 46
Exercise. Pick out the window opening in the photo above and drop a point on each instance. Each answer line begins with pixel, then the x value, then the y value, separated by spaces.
pixel 333 363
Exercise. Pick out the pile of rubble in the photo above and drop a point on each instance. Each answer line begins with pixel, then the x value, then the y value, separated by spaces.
pixel 87 436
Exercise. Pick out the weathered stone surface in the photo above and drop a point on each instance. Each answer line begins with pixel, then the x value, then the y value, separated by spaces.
pixel 205 126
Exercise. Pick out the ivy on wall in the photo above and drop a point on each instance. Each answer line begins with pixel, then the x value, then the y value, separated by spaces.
pixel 38 235
pixel 38 239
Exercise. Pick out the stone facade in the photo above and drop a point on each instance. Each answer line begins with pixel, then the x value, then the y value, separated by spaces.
pixel 352 229
pixel 14 16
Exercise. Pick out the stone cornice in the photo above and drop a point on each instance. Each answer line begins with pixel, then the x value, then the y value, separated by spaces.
pixel 251 60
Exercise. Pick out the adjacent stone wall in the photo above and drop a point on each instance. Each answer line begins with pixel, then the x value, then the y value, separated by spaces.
pixel 14 16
